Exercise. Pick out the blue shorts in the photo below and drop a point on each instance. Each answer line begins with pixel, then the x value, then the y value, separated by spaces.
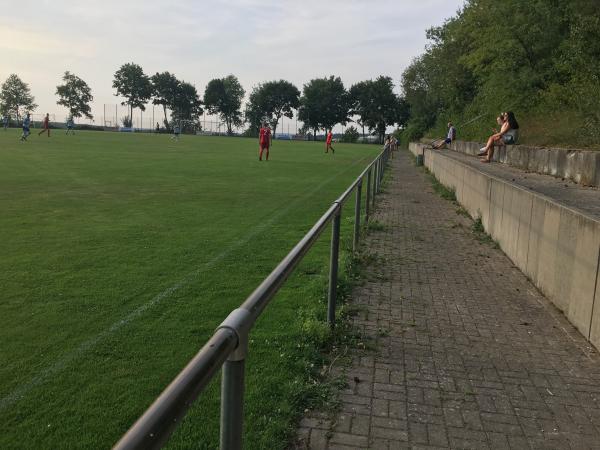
pixel 447 141
pixel 508 139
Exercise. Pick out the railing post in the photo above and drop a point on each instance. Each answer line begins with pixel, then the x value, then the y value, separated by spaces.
pixel 333 267
pixel 232 382
pixel 368 199
pixel 357 206
pixel 378 176
pixel 232 405
pixel 374 185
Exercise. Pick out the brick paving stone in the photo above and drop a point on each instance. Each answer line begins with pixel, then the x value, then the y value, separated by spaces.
pixel 473 356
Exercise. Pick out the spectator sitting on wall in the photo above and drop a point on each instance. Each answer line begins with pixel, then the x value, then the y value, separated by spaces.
pixel 450 137
pixel 508 135
pixel 500 122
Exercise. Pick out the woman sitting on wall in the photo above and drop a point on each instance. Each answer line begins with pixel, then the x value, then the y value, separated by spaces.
pixel 508 135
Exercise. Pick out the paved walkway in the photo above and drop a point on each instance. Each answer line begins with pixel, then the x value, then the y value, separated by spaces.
pixel 470 354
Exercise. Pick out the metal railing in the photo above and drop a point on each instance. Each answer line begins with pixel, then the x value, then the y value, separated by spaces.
pixel 228 346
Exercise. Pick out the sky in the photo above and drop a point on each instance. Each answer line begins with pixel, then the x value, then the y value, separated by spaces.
pixel 200 40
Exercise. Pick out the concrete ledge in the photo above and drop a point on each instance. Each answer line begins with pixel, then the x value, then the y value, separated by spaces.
pixel 557 247
pixel 581 166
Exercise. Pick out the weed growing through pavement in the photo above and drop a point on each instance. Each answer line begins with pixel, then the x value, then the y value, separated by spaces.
pixel 463 212
pixel 480 234
pixel 375 225
pixel 331 347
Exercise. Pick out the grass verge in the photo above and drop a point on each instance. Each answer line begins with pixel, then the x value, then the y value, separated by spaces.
pixel 122 254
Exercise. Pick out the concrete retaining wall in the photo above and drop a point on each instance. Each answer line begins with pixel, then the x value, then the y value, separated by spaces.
pixel 581 166
pixel 558 248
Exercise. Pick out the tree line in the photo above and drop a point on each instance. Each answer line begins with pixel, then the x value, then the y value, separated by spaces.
pixel 539 58
pixel 322 103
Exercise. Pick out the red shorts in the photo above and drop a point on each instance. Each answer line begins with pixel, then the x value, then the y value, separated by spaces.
pixel 264 145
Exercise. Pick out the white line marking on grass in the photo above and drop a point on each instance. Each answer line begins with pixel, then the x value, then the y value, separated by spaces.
pixel 63 362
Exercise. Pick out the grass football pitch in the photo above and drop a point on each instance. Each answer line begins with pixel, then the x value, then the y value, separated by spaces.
pixel 121 253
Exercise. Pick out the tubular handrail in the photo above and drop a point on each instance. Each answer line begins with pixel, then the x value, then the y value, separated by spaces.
pixel 342 198
pixel 227 347
pixel 259 299
pixel 158 422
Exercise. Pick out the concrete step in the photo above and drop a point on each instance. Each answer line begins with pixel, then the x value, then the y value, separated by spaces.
pixel 580 166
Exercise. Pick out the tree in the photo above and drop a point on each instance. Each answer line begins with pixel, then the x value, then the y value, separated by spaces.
pixel 578 86
pixel 385 106
pixel 360 102
pixel 75 95
pixel 15 95
pixel 271 101
pixel 377 105
pixel 323 104
pixel 165 87
pixel 223 96
pixel 186 104
pixel 351 134
pixel 525 61
pixel 132 83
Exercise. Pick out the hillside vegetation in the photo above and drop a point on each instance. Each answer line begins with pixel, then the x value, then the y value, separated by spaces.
pixel 538 58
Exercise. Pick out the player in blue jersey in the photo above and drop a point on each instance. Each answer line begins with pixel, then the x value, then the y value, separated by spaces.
pixel 70 125
pixel 26 123
pixel 176 132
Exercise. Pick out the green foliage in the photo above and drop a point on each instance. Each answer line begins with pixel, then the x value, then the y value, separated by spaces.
pixel 186 106
pixel 179 96
pixel 126 121
pixel 223 96
pixel 271 101
pixel 534 57
pixel 440 189
pixel 351 134
pixel 375 226
pixel 377 105
pixel 75 95
pixel 478 226
pixel 16 96
pixel 317 331
pixel 132 83
pixel 324 103
pixel 480 234
pixel 165 87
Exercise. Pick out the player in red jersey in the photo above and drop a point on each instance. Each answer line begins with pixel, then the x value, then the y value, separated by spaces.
pixel 328 143
pixel 45 125
pixel 264 141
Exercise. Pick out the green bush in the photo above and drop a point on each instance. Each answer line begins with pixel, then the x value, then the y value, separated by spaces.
pixel 350 135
